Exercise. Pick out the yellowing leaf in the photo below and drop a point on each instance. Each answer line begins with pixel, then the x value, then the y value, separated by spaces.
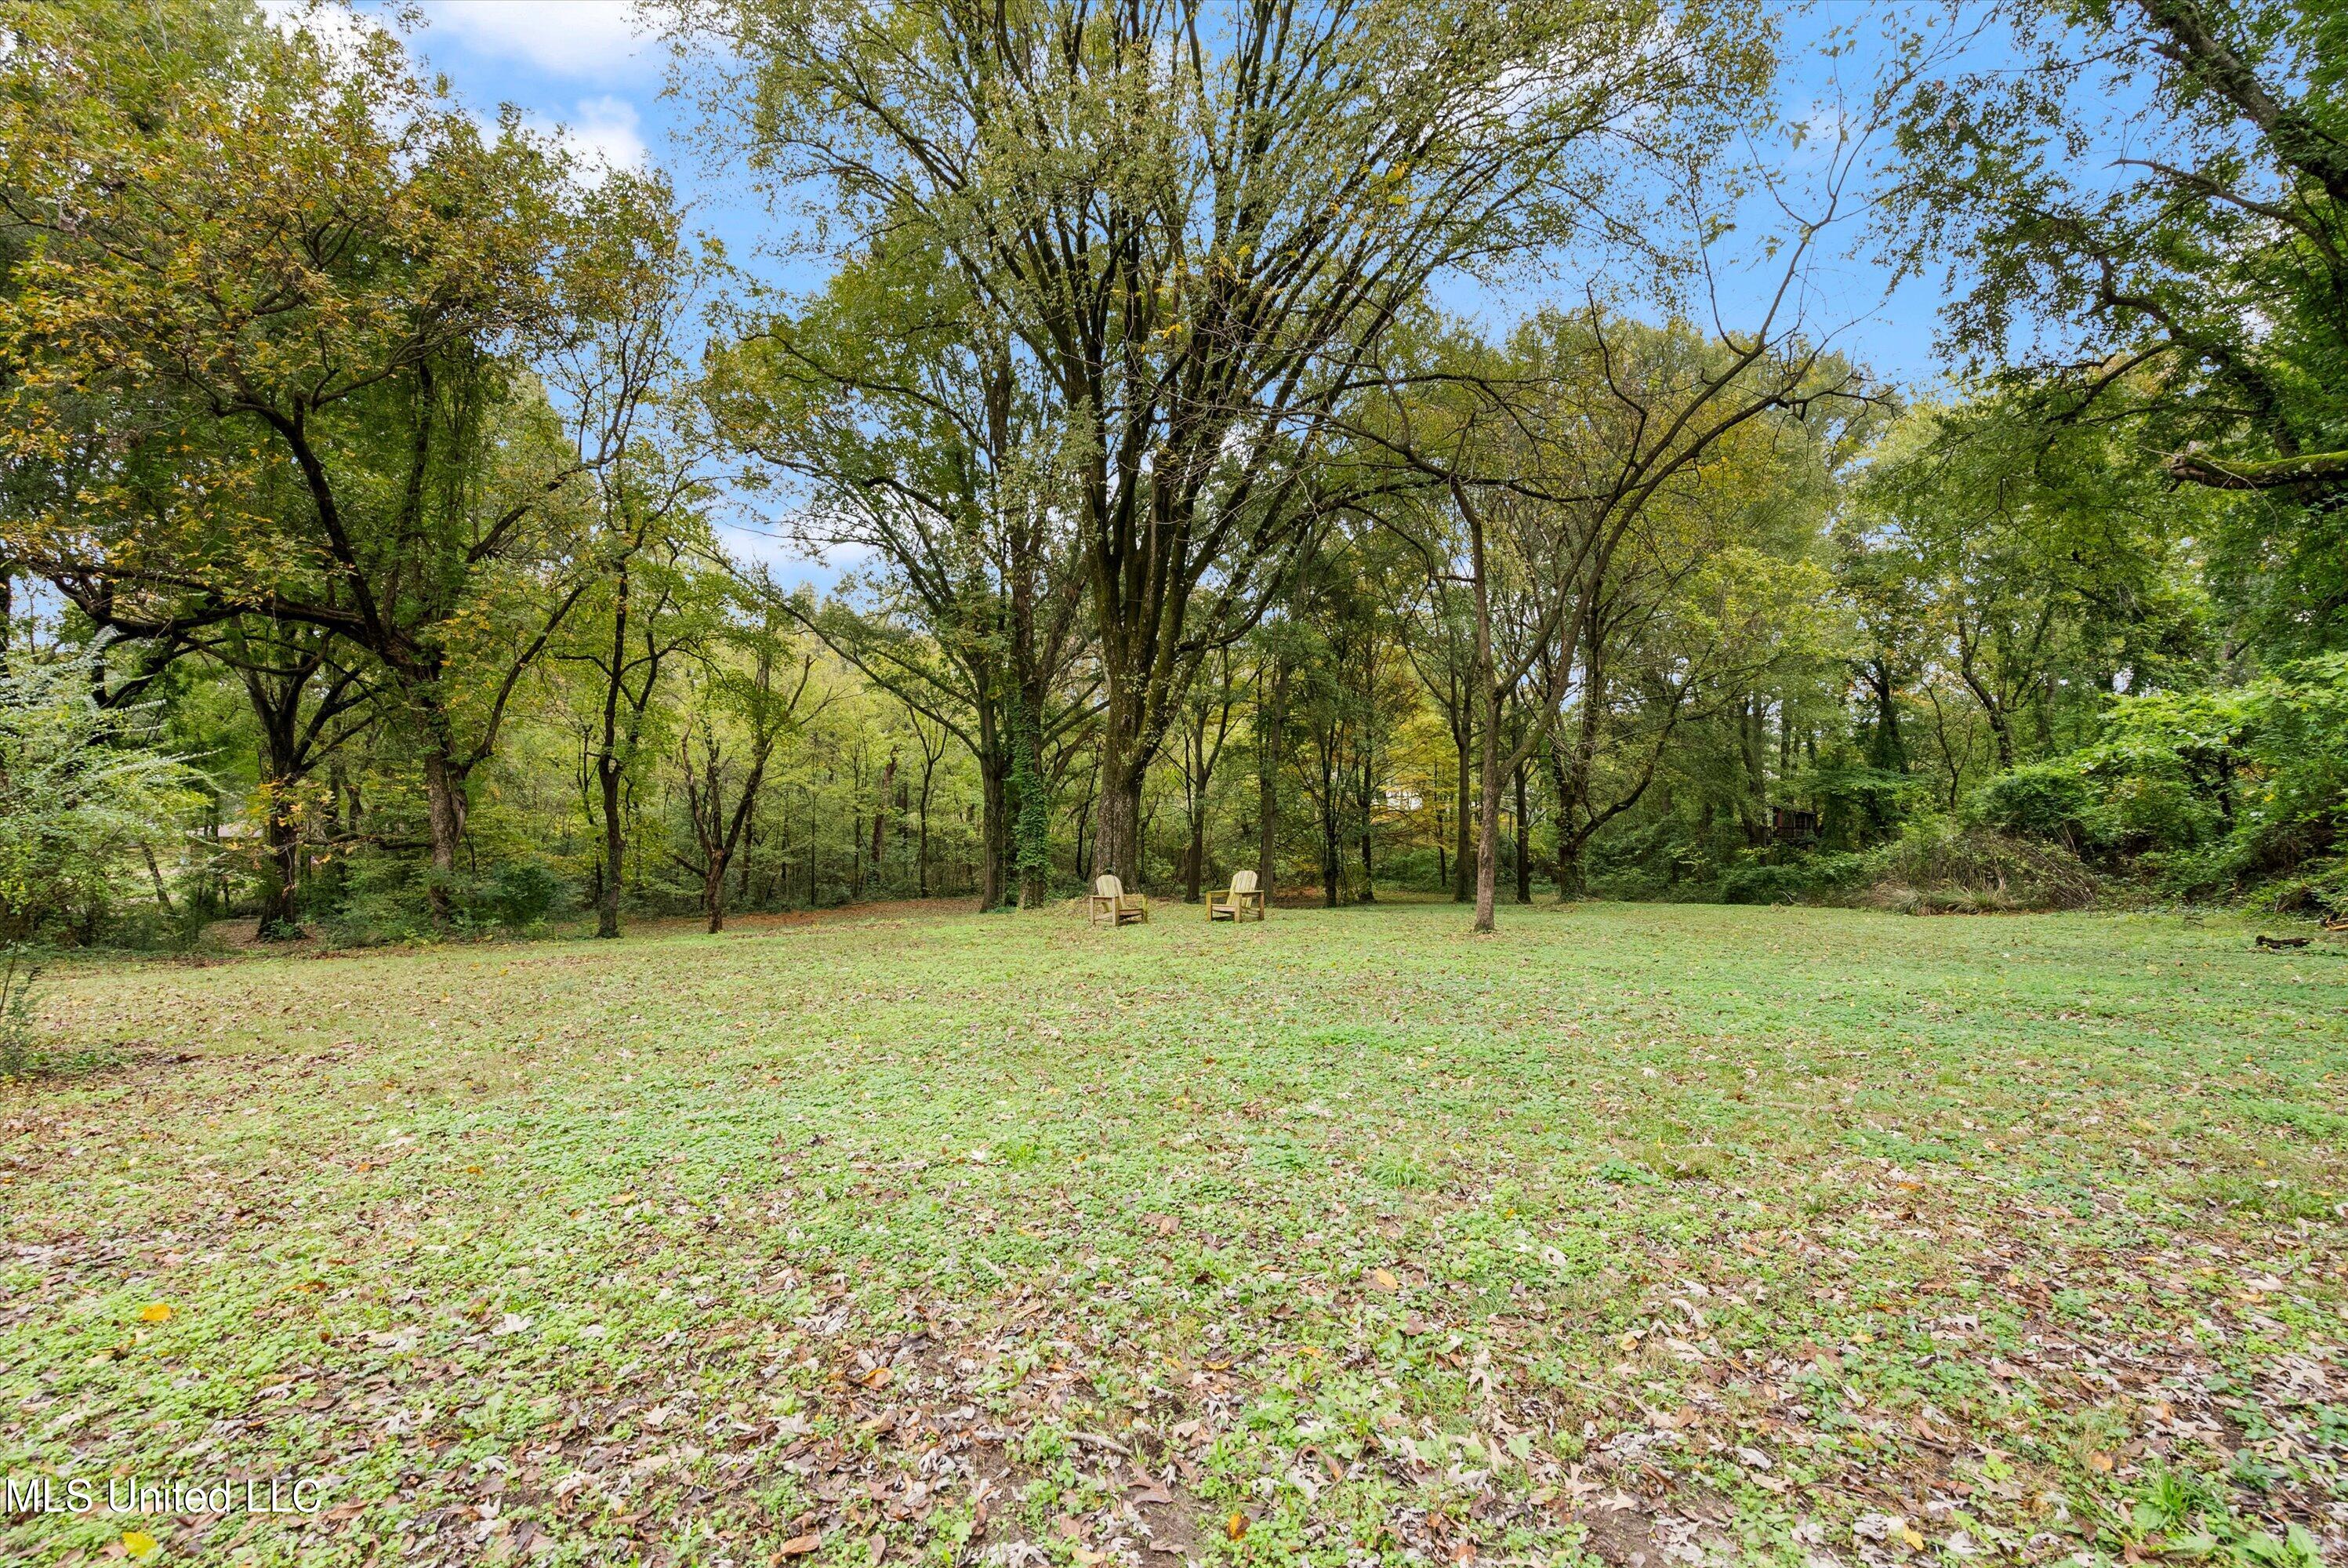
pixel 1384 1280
pixel 155 1312
pixel 138 1545
pixel 1236 1526
pixel 2100 1463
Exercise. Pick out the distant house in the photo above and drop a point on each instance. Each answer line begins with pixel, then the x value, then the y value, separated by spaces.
pixel 1793 824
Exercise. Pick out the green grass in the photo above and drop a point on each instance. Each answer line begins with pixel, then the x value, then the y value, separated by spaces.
pixel 1768 1234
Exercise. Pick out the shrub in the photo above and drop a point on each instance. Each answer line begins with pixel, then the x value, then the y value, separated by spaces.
pixel 2049 801
pixel 83 797
pixel 519 895
pixel 1806 878
pixel 1939 865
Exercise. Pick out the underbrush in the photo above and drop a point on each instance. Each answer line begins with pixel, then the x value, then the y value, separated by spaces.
pixel 1937 866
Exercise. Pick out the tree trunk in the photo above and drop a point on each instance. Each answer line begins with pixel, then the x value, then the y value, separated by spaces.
pixel 1269 721
pixel 1195 872
pixel 1124 768
pixel 2001 727
pixel 1487 691
pixel 994 831
pixel 1331 872
pixel 1487 810
pixel 1117 822
pixel 1524 842
pixel 712 893
pixel 1462 870
pixel 921 848
pixel 279 917
pixel 1752 723
pixel 1885 748
pixel 444 797
pixel 742 876
pixel 607 906
pixel 1031 802
pixel 1568 869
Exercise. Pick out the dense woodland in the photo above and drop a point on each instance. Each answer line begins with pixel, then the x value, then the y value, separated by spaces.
pixel 379 483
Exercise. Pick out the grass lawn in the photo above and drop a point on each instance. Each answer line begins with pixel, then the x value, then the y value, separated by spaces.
pixel 1637 1234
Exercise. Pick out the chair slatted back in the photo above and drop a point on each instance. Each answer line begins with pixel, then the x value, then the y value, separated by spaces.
pixel 1106 885
pixel 1243 881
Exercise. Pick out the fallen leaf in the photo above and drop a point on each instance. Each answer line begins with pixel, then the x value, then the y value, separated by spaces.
pixel 1236 1526
pixel 2100 1463
pixel 1384 1280
pixel 155 1312
pixel 802 1546
pixel 878 1378
pixel 137 1544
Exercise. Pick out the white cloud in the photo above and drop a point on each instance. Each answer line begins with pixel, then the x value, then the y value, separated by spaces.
pixel 338 32
pixel 608 132
pixel 603 134
pixel 598 39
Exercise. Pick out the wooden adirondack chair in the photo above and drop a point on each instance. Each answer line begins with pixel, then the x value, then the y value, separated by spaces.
pixel 1244 901
pixel 1112 904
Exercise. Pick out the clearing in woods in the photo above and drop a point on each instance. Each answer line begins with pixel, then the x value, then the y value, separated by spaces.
pixel 1645 1233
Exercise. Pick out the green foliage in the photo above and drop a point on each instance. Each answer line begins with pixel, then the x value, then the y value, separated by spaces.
pixel 521 893
pixel 1802 878
pixel 83 798
pixel 2212 792
pixel 2038 800
pixel 2188 296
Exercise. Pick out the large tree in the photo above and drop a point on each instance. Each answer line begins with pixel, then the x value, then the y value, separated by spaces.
pixel 2149 225
pixel 347 285
pixel 930 451
pixel 1197 220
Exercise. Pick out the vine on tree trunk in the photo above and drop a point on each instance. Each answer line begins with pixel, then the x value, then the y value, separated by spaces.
pixel 1031 813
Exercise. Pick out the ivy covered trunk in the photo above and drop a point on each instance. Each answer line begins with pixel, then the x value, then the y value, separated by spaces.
pixel 1031 804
